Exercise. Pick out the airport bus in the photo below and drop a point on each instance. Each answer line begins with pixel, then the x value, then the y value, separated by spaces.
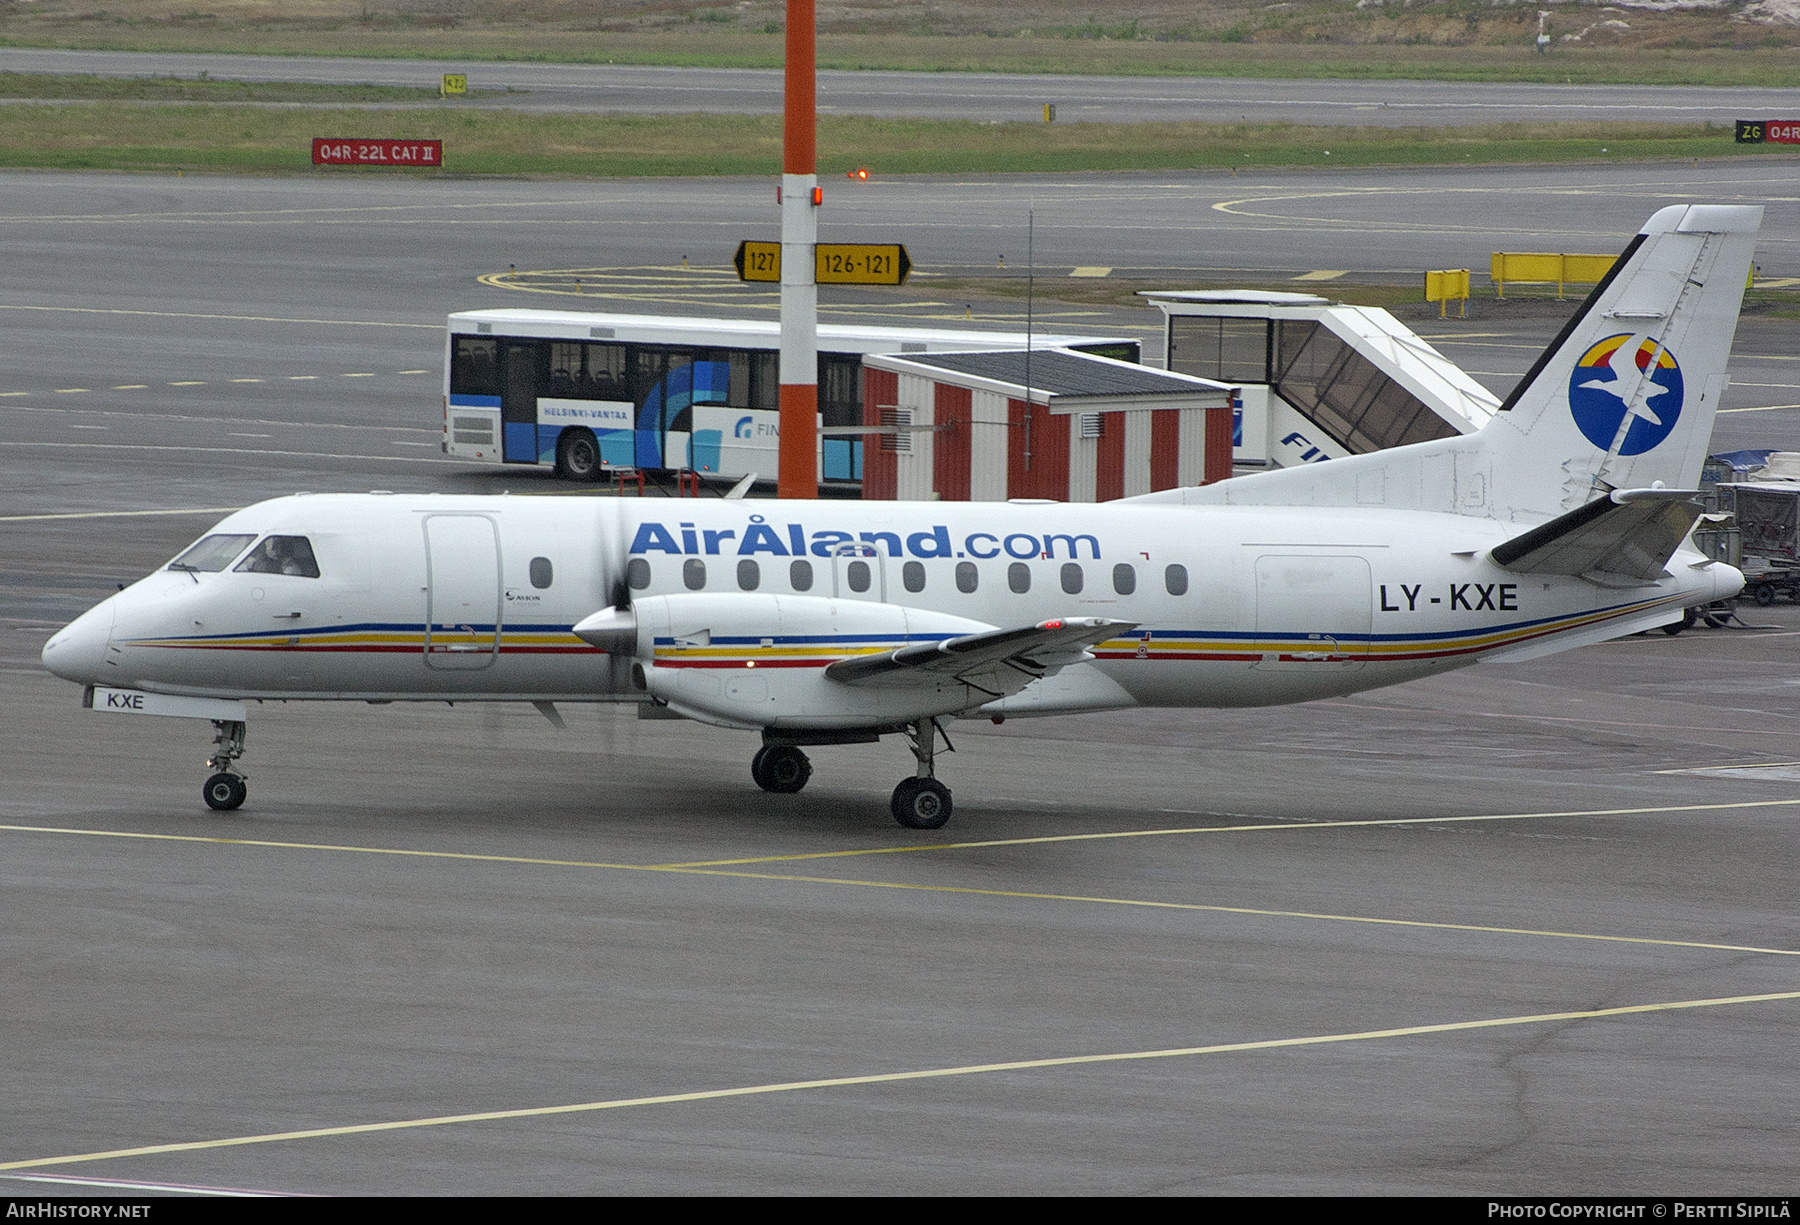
pixel 590 393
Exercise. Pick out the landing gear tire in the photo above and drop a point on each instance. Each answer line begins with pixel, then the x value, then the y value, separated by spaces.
pixel 1686 623
pixel 1765 594
pixel 224 792
pixel 781 768
pixel 921 803
pixel 578 456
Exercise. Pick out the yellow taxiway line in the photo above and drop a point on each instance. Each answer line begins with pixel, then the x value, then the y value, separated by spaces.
pixel 881 1078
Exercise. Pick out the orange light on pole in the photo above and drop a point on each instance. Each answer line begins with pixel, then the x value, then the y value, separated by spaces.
pixel 798 456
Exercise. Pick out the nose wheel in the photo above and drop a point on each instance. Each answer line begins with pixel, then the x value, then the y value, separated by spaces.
pixel 226 789
pixel 921 802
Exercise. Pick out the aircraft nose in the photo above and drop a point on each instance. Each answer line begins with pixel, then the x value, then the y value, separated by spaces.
pixel 76 650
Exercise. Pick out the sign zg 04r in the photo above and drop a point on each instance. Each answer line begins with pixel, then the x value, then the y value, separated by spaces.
pixel 1773 131
pixel 347 152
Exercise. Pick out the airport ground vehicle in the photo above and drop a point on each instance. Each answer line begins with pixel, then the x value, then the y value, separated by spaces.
pixel 1766 516
pixel 591 392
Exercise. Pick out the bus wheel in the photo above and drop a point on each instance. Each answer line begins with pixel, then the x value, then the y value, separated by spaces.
pixel 578 456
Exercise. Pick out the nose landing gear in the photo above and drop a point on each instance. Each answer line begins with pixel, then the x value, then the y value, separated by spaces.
pixel 226 789
pixel 921 802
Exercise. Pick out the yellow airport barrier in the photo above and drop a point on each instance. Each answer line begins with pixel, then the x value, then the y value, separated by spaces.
pixel 1541 268
pixel 1442 286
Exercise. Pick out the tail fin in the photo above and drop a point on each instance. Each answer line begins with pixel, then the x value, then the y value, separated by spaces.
pixel 1623 398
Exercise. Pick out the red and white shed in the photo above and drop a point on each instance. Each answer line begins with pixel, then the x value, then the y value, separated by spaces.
pixel 1046 423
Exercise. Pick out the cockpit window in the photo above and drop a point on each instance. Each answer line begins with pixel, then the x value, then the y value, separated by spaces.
pixel 281 555
pixel 211 554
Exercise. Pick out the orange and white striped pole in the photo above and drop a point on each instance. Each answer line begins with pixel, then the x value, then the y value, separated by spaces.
pixel 799 453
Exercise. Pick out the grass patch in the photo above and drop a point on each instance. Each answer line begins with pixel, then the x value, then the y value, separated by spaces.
pixel 129 136
pixel 715 46
pixel 52 87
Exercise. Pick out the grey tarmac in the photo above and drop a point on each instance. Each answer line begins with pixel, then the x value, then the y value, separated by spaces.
pixel 427 912
pixel 981 97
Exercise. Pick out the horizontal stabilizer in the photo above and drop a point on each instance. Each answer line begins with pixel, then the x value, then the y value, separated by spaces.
pixel 1002 661
pixel 1629 532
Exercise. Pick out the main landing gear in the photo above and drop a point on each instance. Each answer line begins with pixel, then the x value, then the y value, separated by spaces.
pixel 921 802
pixel 226 789
pixel 780 768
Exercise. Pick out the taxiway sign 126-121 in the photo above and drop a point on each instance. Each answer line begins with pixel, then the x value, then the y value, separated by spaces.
pixel 1561 522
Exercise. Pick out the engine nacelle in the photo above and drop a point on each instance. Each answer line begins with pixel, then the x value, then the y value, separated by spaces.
pixel 754 661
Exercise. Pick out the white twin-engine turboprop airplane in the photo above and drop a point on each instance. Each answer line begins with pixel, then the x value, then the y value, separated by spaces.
pixel 1560 523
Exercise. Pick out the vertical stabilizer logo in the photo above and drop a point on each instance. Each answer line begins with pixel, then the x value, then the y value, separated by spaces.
pixel 1627 382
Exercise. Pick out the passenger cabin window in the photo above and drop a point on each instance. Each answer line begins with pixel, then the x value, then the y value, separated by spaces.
pixel 800 575
pixel 1071 578
pixel 290 555
pixel 1018 577
pixel 1124 578
pixel 637 574
pixel 749 575
pixel 968 578
pixel 475 367
pixel 211 554
pixel 856 574
pixel 1175 579
pixel 541 572
pixel 693 573
pixel 912 576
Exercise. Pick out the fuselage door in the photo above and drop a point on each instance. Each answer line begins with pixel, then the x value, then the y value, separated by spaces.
pixel 859 572
pixel 1313 610
pixel 462 593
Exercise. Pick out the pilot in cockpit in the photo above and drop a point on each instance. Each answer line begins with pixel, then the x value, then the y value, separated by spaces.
pixel 291 555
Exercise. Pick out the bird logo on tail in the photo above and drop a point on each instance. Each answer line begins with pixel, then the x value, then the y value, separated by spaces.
pixel 1626 393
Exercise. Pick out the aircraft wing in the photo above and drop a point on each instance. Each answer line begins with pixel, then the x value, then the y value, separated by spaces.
pixel 998 661
pixel 1631 532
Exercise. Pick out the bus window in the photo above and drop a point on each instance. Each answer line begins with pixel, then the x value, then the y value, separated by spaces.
pixel 765 380
pixel 290 555
pixel 474 367
pixel 567 376
pixel 607 374
pixel 840 388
